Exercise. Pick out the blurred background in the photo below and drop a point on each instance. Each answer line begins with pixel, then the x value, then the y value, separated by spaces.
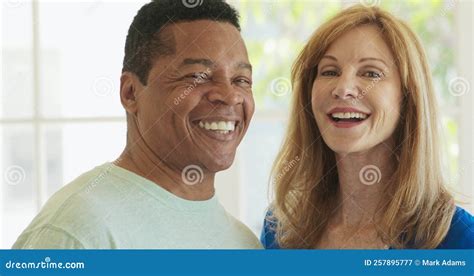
pixel 60 112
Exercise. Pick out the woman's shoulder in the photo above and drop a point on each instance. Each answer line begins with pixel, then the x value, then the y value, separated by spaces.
pixel 461 231
pixel 268 236
pixel 460 234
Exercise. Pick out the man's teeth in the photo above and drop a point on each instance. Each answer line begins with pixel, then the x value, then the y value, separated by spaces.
pixel 349 115
pixel 220 126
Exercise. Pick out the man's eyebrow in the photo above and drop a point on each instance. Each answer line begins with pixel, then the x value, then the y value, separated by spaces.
pixel 244 65
pixel 373 58
pixel 202 61
pixel 209 63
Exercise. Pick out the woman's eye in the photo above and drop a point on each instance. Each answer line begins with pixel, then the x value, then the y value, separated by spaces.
pixel 372 74
pixel 329 73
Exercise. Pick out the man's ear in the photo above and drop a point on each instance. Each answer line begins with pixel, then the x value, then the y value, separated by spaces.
pixel 129 89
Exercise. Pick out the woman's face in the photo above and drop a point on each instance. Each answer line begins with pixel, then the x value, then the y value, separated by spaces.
pixel 356 94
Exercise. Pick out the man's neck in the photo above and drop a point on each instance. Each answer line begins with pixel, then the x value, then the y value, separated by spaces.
pixel 151 167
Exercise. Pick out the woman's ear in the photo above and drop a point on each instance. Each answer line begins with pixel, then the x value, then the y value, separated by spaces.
pixel 129 87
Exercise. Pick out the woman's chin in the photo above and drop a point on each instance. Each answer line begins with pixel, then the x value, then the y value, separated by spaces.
pixel 346 147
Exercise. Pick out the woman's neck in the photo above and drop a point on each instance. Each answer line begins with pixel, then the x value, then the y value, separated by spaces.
pixel 363 178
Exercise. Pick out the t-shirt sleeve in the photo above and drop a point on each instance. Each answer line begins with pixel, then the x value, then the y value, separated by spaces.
pixel 47 237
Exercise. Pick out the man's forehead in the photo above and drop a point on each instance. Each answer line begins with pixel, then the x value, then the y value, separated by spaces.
pixel 204 42
pixel 204 26
pixel 205 34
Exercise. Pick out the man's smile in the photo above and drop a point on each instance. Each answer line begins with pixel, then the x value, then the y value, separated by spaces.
pixel 219 128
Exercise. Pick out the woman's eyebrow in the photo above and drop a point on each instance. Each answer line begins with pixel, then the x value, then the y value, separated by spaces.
pixel 330 57
pixel 361 60
pixel 373 58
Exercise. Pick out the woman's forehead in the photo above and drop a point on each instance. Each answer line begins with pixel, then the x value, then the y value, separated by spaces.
pixel 359 43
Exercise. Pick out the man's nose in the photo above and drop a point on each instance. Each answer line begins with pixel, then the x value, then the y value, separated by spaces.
pixel 225 94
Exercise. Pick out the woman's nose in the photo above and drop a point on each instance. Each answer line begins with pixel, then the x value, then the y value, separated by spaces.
pixel 346 87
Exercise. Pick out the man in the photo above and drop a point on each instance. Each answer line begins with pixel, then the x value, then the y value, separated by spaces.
pixel 187 90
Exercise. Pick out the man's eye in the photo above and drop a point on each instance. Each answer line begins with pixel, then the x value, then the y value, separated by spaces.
pixel 373 75
pixel 199 76
pixel 243 82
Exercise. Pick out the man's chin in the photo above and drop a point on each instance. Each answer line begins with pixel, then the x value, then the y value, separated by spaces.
pixel 218 164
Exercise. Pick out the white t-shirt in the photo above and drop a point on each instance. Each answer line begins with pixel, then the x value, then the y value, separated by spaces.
pixel 111 207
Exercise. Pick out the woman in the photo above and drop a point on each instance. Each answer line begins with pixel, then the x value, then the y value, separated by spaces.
pixel 364 129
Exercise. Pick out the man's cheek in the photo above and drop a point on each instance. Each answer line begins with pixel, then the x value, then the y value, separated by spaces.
pixel 250 105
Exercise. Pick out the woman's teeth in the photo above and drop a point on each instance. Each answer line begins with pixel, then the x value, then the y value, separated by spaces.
pixel 222 127
pixel 349 115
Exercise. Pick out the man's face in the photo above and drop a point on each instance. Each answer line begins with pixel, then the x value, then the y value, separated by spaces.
pixel 198 102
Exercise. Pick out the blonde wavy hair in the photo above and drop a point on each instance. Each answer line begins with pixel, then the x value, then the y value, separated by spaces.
pixel 418 209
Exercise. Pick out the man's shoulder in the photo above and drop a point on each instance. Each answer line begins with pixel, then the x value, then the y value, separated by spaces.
pixel 48 237
pixel 75 211
pixel 247 239
pixel 78 198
